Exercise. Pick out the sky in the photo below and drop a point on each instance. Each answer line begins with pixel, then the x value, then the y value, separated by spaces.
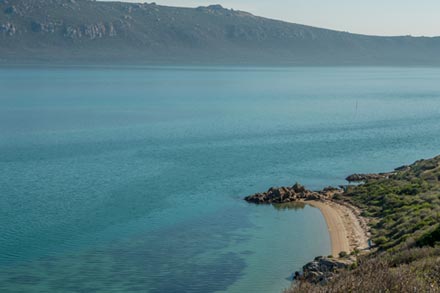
pixel 373 17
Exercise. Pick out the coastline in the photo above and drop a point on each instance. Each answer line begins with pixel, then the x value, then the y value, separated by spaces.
pixel 405 242
pixel 348 230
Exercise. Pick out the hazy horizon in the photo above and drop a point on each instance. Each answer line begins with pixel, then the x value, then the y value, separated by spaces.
pixel 375 17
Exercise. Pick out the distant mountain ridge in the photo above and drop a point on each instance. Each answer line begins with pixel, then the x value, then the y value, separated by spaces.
pixel 84 31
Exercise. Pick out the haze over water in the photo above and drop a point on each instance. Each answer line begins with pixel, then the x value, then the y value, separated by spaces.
pixel 132 179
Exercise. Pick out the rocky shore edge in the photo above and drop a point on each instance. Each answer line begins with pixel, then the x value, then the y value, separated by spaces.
pixel 279 195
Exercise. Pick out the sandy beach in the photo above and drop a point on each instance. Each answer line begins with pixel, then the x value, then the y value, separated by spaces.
pixel 348 230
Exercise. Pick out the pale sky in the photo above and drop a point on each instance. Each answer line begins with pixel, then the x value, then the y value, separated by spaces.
pixel 376 17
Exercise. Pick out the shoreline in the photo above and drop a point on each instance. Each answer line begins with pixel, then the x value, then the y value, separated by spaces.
pixel 347 229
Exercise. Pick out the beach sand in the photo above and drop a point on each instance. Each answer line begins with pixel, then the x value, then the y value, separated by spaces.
pixel 348 230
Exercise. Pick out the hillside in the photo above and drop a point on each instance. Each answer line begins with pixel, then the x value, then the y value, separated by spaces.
pixel 404 209
pixel 83 31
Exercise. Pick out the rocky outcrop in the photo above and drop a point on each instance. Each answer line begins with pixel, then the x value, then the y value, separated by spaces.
pixel 291 194
pixel 322 269
pixel 73 32
pixel 8 29
pixel 90 31
pixel 366 177
pixel 93 31
pixel 45 27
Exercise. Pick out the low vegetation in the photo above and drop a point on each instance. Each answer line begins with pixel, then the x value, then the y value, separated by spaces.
pixel 411 270
pixel 405 224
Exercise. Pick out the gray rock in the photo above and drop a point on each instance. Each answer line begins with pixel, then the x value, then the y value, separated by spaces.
pixel 90 31
pixel 366 177
pixel 321 269
pixel 8 29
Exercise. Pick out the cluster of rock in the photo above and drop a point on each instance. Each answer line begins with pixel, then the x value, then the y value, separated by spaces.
pixel 45 27
pixel 90 31
pixel 7 29
pixel 366 177
pixel 277 195
pixel 219 10
pixel 322 269
pixel 55 25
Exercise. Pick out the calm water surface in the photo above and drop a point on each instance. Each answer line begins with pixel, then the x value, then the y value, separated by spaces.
pixel 132 179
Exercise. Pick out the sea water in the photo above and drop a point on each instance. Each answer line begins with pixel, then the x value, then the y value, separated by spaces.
pixel 131 179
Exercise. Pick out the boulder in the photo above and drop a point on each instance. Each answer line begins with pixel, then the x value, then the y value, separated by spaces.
pixel 313 196
pixel 322 269
pixel 298 188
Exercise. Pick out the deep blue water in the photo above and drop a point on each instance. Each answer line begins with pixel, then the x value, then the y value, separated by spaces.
pixel 132 179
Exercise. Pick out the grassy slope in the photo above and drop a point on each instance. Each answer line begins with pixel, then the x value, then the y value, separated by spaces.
pixel 404 207
pixel 405 212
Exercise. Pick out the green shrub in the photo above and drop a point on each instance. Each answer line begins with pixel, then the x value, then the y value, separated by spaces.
pixel 430 238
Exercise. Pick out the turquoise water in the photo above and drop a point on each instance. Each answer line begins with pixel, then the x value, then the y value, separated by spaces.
pixel 132 179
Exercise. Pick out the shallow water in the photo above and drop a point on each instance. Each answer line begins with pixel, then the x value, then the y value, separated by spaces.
pixel 132 179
